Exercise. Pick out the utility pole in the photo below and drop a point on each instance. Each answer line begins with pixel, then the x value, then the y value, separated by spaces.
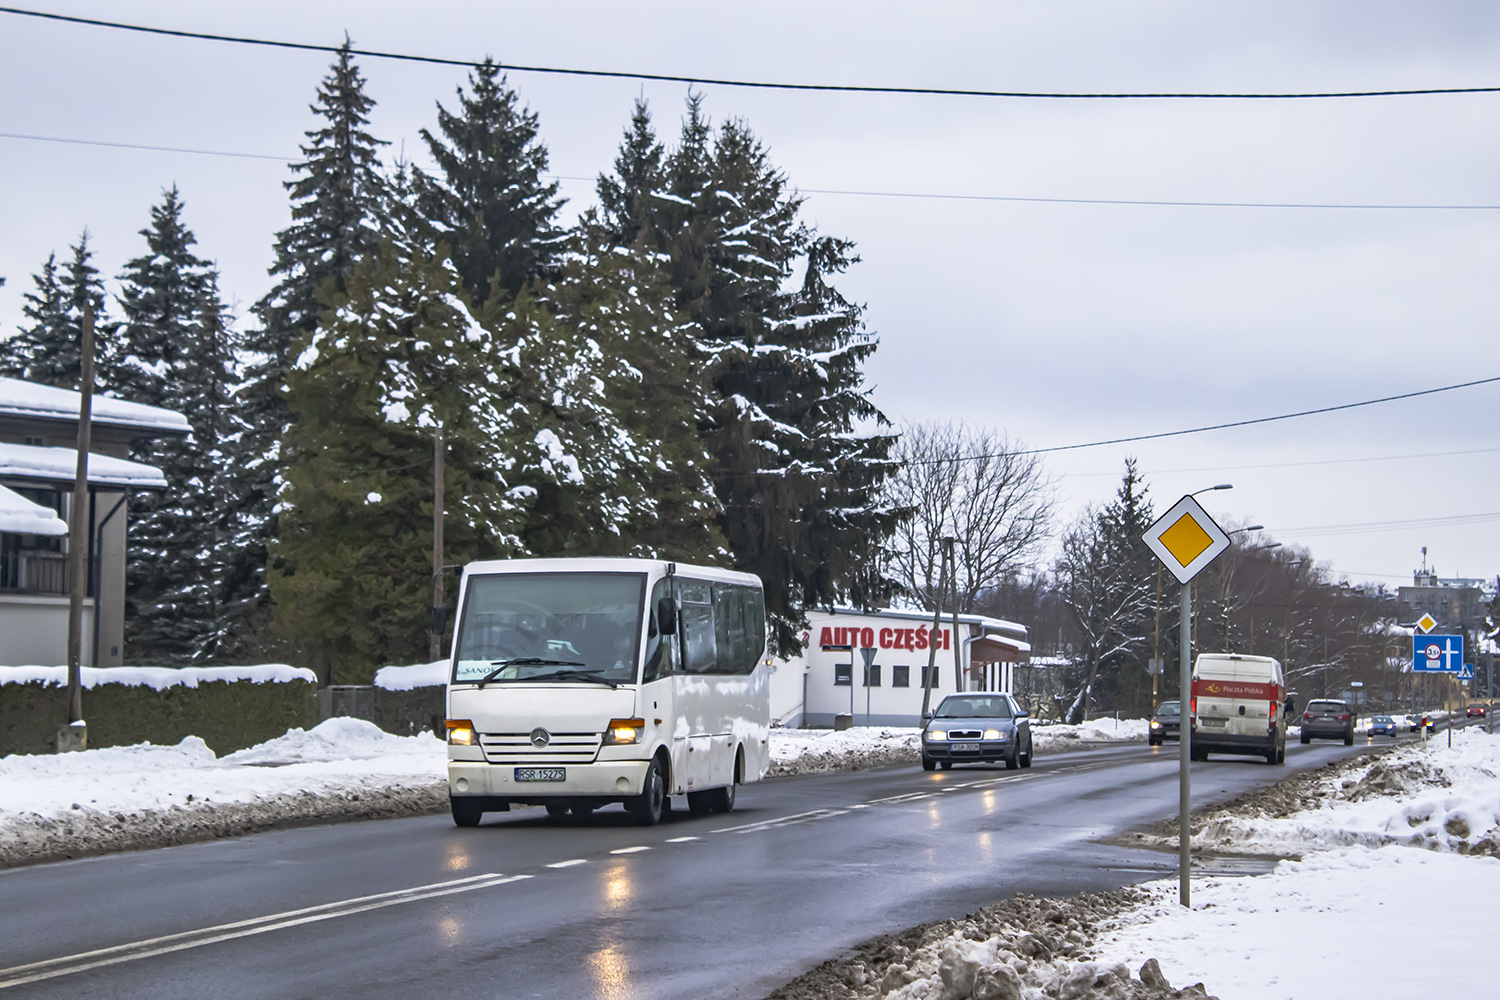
pixel 1156 665
pixel 75 735
pixel 958 670
pixel 937 624
pixel 1185 748
pixel 435 643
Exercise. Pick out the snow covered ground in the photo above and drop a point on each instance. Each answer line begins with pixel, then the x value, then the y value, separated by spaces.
pixel 1391 878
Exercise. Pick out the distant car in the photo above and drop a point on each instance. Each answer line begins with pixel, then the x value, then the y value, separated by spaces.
pixel 1166 724
pixel 1419 720
pixel 1383 725
pixel 973 728
pixel 1477 711
pixel 1325 719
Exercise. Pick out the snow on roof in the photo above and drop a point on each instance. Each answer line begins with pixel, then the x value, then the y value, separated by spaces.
pixel 61 464
pixel 19 398
pixel 22 517
pixel 159 678
pixel 417 675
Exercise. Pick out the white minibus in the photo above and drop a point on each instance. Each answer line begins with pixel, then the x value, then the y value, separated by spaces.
pixel 580 682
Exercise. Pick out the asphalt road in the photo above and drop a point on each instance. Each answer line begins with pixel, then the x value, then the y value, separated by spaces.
pixel 526 906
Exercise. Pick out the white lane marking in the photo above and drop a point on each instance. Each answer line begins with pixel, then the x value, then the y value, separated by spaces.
pixel 908 797
pixel 770 824
pixel 53 967
pixel 568 864
pixel 680 840
pixel 859 805
pixel 629 850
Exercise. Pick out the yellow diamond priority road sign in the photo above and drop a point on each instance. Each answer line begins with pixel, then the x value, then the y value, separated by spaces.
pixel 1186 539
pixel 1427 623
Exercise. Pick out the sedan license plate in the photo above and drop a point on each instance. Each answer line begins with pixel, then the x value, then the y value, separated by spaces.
pixel 966 748
pixel 541 774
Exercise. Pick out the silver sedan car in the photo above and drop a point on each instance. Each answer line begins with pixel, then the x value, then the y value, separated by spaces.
pixel 972 728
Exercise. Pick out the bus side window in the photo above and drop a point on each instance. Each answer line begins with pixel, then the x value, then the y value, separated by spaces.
pixel 658 647
pixel 696 625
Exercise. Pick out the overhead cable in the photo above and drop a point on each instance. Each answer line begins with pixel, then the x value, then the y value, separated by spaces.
pixel 757 84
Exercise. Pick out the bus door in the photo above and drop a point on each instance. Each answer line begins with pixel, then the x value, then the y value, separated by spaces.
pixel 698 709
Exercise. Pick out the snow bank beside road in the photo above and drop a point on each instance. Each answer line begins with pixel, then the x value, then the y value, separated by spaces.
pixel 67 805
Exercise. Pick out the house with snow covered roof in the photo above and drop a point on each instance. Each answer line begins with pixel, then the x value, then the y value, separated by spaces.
pixel 38 462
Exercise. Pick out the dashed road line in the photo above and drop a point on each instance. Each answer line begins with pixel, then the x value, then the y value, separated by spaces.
pixel 680 840
pixel 629 850
pixel 771 824
pixel 568 864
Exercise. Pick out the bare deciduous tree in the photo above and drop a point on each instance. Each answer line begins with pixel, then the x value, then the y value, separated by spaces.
pixel 973 485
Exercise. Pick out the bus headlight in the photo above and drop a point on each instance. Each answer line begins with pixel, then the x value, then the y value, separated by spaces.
pixel 623 731
pixel 992 734
pixel 937 735
pixel 461 732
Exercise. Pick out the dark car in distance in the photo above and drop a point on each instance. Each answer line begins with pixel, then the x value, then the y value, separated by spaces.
pixel 1166 723
pixel 1325 719
pixel 1477 711
pixel 1383 725
pixel 974 728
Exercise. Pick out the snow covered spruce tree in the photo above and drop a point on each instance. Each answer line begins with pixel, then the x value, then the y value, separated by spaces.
pixel 1107 582
pixel 488 202
pixel 798 454
pixel 399 354
pixel 606 382
pixel 178 349
pixel 49 350
pixel 334 210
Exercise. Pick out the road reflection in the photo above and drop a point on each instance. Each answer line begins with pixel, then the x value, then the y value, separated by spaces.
pixel 607 964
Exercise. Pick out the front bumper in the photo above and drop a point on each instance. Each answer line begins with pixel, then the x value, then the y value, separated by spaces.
pixel 987 750
pixel 612 780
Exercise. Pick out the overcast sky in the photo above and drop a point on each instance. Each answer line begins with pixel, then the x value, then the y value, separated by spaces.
pixel 1056 323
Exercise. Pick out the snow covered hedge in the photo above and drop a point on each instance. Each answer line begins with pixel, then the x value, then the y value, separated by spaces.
pixel 230 708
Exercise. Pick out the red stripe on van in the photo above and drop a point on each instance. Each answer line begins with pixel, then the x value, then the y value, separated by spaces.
pixel 1235 689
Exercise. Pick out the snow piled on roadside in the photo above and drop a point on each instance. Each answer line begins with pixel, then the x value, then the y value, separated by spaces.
pixel 66 805
pixel 1060 737
pixel 159 678
pixel 409 678
pixel 1414 796
pixel 815 751
pixel 1320 926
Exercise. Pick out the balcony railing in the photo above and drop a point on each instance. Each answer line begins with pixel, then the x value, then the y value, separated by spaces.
pixel 32 571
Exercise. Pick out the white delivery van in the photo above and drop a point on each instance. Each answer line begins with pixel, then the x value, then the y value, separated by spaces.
pixel 1239 706
pixel 576 683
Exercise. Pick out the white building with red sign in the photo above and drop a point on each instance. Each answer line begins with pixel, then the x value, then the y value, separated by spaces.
pixel 831 678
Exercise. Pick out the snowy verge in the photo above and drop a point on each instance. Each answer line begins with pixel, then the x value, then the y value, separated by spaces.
pixel 124 798
pixel 159 678
pixel 409 678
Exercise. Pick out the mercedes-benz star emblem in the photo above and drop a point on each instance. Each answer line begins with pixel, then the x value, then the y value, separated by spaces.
pixel 540 738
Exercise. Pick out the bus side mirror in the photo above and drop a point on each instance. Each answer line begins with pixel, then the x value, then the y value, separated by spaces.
pixel 666 616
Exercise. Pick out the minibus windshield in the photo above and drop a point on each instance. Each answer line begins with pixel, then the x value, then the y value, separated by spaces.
pixel 550 627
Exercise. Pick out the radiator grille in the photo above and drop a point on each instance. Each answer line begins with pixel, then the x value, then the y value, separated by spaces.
pixel 516 748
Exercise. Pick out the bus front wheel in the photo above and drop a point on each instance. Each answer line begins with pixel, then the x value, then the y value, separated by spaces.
pixel 647 806
pixel 466 812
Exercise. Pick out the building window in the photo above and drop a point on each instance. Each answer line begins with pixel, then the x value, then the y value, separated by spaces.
pixel 872 676
pixel 935 676
pixel 900 676
pixel 842 674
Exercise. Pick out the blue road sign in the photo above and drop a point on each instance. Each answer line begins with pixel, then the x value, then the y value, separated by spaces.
pixel 1437 654
pixel 1467 673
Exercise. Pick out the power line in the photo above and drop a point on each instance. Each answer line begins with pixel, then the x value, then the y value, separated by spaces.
pixel 1365 527
pixel 137 145
pixel 1155 203
pixel 1240 423
pixel 754 84
pixel 1151 202
pixel 1285 465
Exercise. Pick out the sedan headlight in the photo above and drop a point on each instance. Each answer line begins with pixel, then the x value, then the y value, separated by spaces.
pixel 937 735
pixel 1155 724
pixel 993 734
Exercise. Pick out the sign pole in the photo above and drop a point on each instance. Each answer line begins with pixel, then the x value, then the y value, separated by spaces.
pixel 1185 741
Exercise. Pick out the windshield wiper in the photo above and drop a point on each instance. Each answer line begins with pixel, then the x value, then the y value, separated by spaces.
pixel 523 661
pixel 562 675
